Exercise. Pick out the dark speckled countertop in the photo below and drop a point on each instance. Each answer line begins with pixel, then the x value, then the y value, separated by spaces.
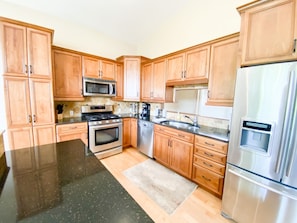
pixel 63 182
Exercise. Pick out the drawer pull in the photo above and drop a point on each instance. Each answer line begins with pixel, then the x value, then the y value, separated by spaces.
pixel 208 154
pixel 181 135
pixel 74 127
pixel 207 164
pixel 205 178
pixel 209 144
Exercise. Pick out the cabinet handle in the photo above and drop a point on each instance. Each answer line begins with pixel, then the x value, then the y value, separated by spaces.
pixel 207 164
pixel 26 68
pixel 34 118
pixel 31 69
pixel 29 118
pixel 205 178
pixel 74 127
pixel 180 135
pixel 168 144
pixel 209 144
pixel 185 74
pixel 182 75
pixel 294 46
pixel 208 154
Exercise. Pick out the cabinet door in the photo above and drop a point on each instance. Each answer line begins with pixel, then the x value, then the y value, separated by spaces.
pixel 91 67
pixel 67 76
pixel 17 101
pixel 133 132
pixel 161 148
pixel 20 138
pixel 42 101
pixel 181 157
pixel 39 53
pixel 126 132
pixel 131 79
pixel 14 49
pixel 107 70
pixel 146 82
pixel 158 82
pixel 223 72
pixel 44 134
pixel 175 67
pixel 268 32
pixel 120 82
pixel 197 63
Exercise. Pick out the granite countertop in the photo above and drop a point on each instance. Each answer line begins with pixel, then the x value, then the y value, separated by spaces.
pixel 212 132
pixel 63 182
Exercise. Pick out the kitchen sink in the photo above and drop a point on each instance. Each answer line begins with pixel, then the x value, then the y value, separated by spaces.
pixel 180 125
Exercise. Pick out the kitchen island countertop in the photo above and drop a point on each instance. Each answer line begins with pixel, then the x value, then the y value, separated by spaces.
pixel 63 182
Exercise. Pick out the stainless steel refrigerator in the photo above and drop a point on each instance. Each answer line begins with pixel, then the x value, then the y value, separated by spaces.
pixel 261 175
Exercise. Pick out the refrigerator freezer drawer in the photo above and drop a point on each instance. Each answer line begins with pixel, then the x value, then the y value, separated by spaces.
pixel 248 198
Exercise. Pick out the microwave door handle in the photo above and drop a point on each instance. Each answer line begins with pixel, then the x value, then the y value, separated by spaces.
pixel 110 89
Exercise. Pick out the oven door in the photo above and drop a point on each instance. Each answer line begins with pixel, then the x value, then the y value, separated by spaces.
pixel 104 137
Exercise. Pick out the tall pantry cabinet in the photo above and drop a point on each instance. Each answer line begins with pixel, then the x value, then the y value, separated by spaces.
pixel 25 55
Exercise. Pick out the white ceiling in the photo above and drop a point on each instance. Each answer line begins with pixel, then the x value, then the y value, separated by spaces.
pixel 129 21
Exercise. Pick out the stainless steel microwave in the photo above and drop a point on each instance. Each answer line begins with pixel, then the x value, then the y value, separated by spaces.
pixel 98 87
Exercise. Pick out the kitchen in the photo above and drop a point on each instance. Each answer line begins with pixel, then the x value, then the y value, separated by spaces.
pixel 71 111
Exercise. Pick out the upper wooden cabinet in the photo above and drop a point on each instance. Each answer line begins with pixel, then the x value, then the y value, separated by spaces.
pixel 67 71
pixel 98 68
pixel 132 69
pixel 222 72
pixel 153 86
pixel 26 51
pixel 268 32
pixel 189 66
pixel 119 77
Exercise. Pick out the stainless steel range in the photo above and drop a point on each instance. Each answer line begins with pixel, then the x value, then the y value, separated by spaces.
pixel 104 130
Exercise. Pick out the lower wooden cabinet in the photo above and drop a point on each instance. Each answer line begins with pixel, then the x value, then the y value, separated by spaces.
pixel 129 132
pixel 209 163
pixel 72 131
pixel 133 132
pixel 174 149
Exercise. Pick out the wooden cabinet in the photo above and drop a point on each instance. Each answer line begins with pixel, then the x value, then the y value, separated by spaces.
pixel 268 32
pixel 29 111
pixel 222 72
pixel 72 131
pixel 153 86
pixel 133 132
pixel 132 69
pixel 119 77
pixel 67 71
pixel 26 50
pixel 209 163
pixel 189 66
pixel 174 149
pixel 126 132
pixel 130 132
pixel 98 68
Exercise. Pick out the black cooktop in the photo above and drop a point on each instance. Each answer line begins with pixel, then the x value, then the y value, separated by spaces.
pixel 98 116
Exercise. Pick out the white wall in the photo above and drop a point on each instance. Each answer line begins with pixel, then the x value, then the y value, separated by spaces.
pixel 198 22
pixel 69 35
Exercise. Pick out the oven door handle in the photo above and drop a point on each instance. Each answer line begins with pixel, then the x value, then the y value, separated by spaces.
pixel 97 127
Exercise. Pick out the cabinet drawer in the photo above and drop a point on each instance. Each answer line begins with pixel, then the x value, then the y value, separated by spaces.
pixel 209 154
pixel 208 179
pixel 185 136
pixel 213 144
pixel 208 164
pixel 70 128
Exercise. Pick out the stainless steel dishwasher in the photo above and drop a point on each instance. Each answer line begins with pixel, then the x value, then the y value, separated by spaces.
pixel 145 137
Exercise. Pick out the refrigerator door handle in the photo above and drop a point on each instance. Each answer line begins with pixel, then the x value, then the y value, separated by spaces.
pixel 288 120
pixel 275 190
pixel 293 129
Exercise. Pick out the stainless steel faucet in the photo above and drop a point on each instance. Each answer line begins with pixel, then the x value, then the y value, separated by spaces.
pixel 195 120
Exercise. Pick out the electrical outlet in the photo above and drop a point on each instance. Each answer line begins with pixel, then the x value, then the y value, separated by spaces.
pixel 71 113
